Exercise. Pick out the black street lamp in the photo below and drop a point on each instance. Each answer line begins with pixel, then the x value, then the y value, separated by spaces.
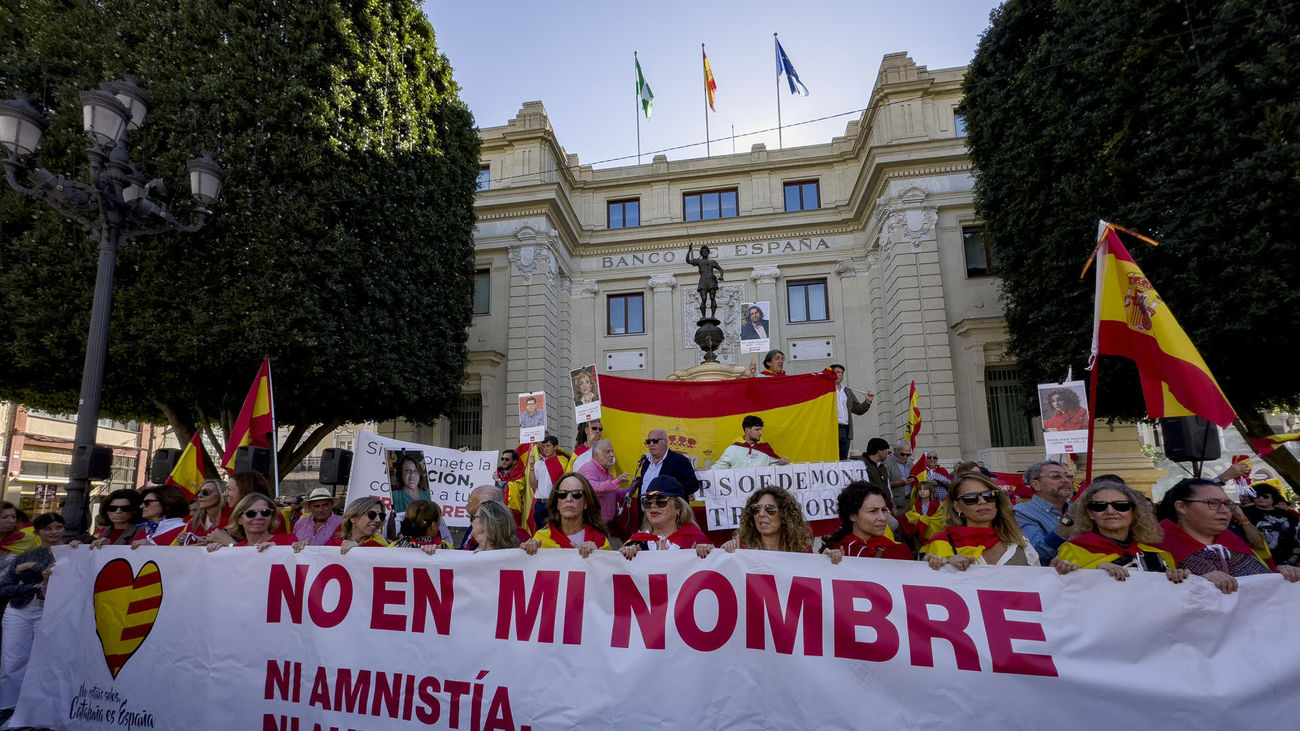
pixel 115 207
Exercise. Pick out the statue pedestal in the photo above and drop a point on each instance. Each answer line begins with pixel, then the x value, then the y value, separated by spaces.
pixel 1117 450
pixel 709 336
pixel 710 372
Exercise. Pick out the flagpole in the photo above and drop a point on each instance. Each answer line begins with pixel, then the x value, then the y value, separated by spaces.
pixel 779 143
pixel 637 108
pixel 1092 417
pixel 275 430
pixel 704 71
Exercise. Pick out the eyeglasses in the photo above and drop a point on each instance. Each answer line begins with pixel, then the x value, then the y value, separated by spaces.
pixel 769 509
pixel 207 491
pixel 904 455
pixel 263 513
pixel 473 517
pixel 375 514
pixel 1120 506
pixel 657 501
pixel 972 498
pixel 568 494
pixel 1215 505
pixel 119 508
pixel 596 428
pixel 653 441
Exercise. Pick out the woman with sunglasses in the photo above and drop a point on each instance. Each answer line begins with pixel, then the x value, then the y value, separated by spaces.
pixel 980 528
pixel 492 527
pixel 361 523
pixel 120 512
pixel 864 523
pixel 573 519
pixel 1115 531
pixel 209 513
pixel 162 511
pixel 667 521
pixel 772 521
pixel 1196 515
pixel 251 525
pixel 421 527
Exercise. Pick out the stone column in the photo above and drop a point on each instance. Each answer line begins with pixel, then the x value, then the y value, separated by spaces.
pixel 538 343
pixel 854 351
pixel 664 353
pixel 764 278
pixel 584 303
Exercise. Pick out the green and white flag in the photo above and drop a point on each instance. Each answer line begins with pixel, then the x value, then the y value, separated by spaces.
pixel 643 89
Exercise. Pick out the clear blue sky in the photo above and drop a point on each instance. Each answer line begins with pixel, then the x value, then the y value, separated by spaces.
pixel 575 56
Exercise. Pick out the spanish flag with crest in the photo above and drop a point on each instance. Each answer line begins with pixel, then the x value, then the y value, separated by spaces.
pixel 703 417
pixel 1132 321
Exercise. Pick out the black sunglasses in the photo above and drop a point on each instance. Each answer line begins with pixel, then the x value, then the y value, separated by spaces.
pixel 568 494
pixel 1120 506
pixel 118 509
pixel 971 498
pixel 657 501
pixel 375 515
pixel 653 441
pixel 769 509
pixel 264 512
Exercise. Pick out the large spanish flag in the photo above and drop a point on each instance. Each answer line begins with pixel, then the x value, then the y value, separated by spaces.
pixel 1133 321
pixel 188 472
pixel 256 419
pixel 703 417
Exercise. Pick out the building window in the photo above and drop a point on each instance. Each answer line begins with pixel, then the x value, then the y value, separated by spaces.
pixel 626 314
pixel 708 205
pixel 1008 424
pixel 624 214
pixel 484 178
pixel 482 291
pixel 959 125
pixel 467 422
pixel 980 261
pixel 802 196
pixel 807 300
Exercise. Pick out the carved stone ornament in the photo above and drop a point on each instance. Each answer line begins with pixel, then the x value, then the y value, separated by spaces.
pixel 908 220
pixel 846 268
pixel 662 282
pixel 534 254
pixel 586 288
pixel 765 275
pixel 730 299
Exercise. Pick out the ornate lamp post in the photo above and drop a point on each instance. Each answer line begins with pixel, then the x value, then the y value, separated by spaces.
pixel 117 206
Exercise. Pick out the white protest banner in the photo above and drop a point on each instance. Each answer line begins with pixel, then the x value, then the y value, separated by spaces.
pixel 815 485
pixel 451 473
pixel 532 417
pixel 755 332
pixel 1064 413
pixel 392 639
pixel 586 393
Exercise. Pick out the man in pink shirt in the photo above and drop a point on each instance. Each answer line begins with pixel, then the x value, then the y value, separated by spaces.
pixel 320 524
pixel 609 488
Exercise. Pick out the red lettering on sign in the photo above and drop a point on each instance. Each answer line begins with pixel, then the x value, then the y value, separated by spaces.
pixel 922 629
pixel 1001 631
pixel 848 619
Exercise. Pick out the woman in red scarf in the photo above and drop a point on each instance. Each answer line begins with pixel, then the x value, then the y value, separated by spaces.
pixel 121 513
pixel 361 523
pixel 773 363
pixel 980 528
pixel 573 521
pixel 16 534
pixel 864 519
pixel 251 525
pixel 667 521
pixel 1196 515
pixel 209 513
pixel 1116 532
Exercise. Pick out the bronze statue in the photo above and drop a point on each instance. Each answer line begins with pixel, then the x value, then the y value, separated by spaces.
pixel 708 286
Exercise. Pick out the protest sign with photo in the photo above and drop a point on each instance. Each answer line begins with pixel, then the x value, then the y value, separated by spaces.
pixel 449 474
pixel 586 393
pixel 532 417
pixel 755 330
pixel 1064 409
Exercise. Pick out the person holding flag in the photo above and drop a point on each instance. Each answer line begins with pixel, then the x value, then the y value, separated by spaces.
pixel 749 451
pixel 208 514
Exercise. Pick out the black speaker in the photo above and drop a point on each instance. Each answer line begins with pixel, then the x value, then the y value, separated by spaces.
pixel 164 461
pixel 254 459
pixel 335 466
pixel 1190 439
pixel 93 462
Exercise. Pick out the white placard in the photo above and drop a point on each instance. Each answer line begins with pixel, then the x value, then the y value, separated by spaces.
pixel 1064 410
pixel 816 485
pixel 532 417
pixel 586 393
pixel 625 360
pixel 451 473
pixel 755 327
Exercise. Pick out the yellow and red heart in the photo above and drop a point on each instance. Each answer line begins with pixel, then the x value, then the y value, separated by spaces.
pixel 126 606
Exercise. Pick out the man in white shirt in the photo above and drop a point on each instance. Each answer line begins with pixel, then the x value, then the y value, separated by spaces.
pixel 750 451
pixel 846 406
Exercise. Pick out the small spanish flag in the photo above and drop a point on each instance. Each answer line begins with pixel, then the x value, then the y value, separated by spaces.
pixel 913 415
pixel 256 419
pixel 710 85
pixel 188 472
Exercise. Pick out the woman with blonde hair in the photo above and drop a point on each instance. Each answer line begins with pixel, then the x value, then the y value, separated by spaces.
pixel 420 527
pixel 1116 531
pixel 209 513
pixel 362 520
pixel 772 521
pixel 980 527
pixel 251 525
pixel 493 527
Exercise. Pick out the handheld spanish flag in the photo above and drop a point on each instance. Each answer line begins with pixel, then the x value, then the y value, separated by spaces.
pixel 1132 321
pixel 188 472
pixel 913 415
pixel 256 419
pixel 1271 442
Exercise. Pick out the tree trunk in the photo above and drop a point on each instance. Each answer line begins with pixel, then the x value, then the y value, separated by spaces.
pixel 1254 424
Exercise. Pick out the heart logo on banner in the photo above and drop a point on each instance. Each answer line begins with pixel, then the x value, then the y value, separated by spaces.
pixel 126 606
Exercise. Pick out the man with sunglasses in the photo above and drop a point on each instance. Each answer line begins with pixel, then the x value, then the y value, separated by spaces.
pixel 592 431
pixel 898 468
pixel 1044 520
pixel 660 460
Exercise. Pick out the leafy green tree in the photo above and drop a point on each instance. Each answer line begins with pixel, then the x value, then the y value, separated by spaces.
pixel 342 247
pixel 1178 119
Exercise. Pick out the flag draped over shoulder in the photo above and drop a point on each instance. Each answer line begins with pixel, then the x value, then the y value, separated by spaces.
pixel 783 65
pixel 703 417
pixel 710 85
pixel 188 472
pixel 256 420
pixel 913 415
pixel 1132 321
pixel 643 89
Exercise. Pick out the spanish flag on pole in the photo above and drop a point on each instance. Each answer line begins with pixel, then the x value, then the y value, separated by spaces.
pixel 913 415
pixel 1132 321
pixel 188 472
pixel 256 419
pixel 710 85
